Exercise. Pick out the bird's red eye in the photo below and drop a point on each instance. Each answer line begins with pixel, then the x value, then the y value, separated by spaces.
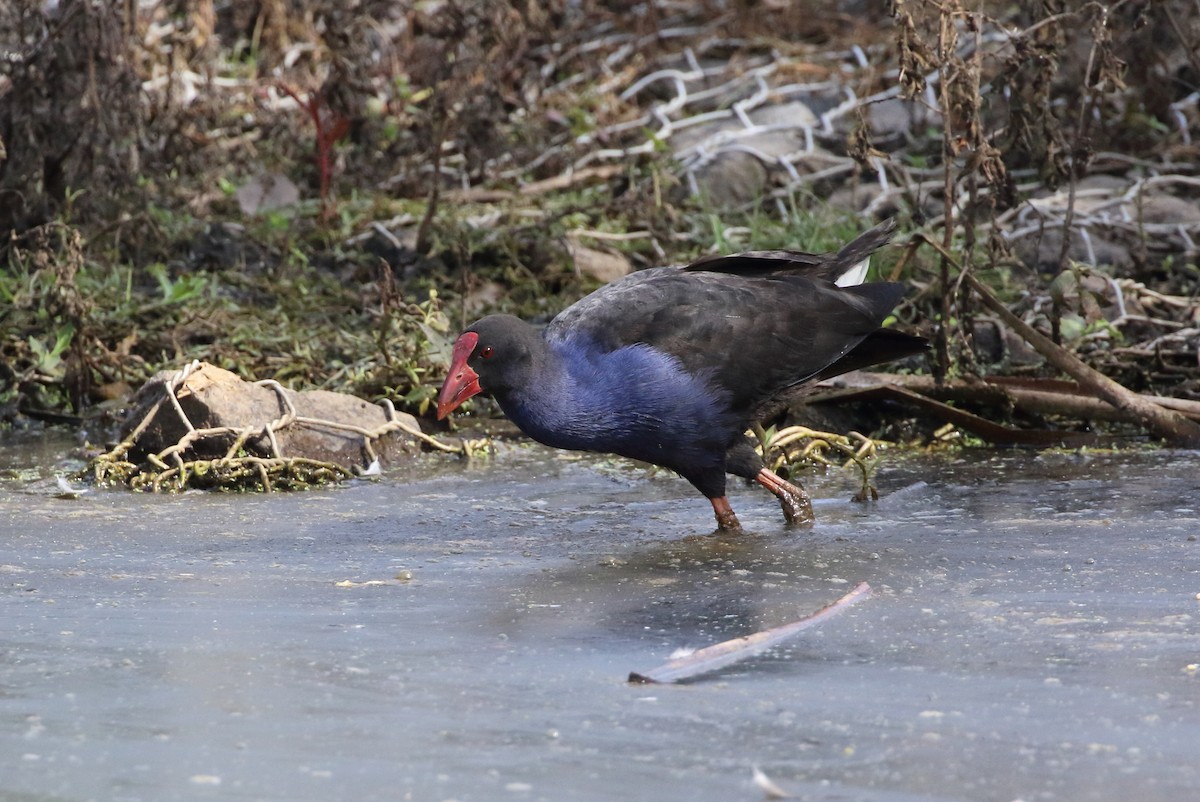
pixel 486 352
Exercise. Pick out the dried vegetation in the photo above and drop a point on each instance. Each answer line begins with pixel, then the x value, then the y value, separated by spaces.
pixel 319 192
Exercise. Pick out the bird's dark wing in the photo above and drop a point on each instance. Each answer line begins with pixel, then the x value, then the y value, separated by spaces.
pixel 828 266
pixel 751 336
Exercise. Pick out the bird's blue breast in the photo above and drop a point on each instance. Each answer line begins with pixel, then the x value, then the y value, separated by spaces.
pixel 636 401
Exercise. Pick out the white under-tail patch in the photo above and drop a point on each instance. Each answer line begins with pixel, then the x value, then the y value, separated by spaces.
pixel 855 275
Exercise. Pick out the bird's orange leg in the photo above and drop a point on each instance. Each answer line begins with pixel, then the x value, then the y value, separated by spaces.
pixel 726 520
pixel 796 504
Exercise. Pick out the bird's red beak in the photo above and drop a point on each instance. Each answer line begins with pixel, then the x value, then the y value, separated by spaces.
pixel 463 382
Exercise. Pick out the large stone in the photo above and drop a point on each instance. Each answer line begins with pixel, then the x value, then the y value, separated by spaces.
pixel 738 166
pixel 1165 209
pixel 717 133
pixel 214 398
pixel 731 179
pixel 1040 250
pixel 896 121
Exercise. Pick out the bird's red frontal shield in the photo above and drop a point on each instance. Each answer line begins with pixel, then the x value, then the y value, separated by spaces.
pixel 463 382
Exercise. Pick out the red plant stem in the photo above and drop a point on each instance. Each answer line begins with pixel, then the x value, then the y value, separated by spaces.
pixel 325 140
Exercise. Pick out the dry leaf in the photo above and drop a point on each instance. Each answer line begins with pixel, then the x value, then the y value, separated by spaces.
pixel 600 265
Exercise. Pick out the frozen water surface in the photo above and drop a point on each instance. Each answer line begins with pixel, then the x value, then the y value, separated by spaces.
pixel 457 632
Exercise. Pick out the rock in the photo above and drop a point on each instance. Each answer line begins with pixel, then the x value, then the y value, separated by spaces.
pixel 791 113
pixel 1116 184
pixel 856 195
pixel 214 398
pixel 731 180
pixel 1166 209
pixel 738 171
pixel 772 143
pixel 896 121
pixel 1040 250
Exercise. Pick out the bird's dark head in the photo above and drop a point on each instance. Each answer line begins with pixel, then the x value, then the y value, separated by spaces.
pixel 493 355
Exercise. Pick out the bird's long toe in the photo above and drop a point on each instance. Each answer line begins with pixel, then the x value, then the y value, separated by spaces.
pixel 793 499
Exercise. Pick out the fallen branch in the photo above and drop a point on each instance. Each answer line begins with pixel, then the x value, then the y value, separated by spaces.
pixel 733 651
pixel 1031 396
pixel 992 432
pixel 1170 426
pixel 1065 398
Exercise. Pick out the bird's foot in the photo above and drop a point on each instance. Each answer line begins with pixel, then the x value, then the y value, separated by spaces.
pixel 795 501
pixel 797 509
pixel 726 520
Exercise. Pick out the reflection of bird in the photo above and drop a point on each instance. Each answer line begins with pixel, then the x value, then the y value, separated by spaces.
pixel 671 365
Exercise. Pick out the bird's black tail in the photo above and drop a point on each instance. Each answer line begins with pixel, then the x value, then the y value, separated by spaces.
pixel 878 347
pixel 861 247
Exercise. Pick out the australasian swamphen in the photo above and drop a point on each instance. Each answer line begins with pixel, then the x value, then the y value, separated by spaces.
pixel 671 365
